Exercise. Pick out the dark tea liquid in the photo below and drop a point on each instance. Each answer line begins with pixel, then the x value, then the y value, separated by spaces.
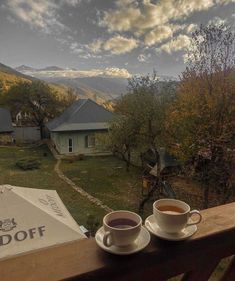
pixel 170 209
pixel 122 223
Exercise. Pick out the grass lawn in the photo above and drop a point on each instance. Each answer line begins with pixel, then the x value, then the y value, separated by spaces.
pixel 44 178
pixel 106 178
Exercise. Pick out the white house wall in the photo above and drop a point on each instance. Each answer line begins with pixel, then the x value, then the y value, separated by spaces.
pixel 61 140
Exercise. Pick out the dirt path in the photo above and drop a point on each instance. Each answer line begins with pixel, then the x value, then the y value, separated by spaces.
pixel 91 198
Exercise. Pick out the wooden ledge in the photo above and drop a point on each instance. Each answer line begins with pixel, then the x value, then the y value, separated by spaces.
pixel 84 260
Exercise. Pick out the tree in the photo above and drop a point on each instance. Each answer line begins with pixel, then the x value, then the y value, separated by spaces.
pixel 35 99
pixel 68 99
pixel 201 123
pixel 140 115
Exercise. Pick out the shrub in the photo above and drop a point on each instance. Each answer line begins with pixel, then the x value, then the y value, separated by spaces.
pixel 74 158
pixel 81 156
pixel 92 225
pixel 28 164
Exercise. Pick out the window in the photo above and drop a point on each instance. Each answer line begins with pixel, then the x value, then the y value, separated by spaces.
pixel 90 141
pixel 70 145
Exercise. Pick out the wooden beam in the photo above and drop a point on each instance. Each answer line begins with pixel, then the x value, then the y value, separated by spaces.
pixel 84 260
pixel 202 273
pixel 229 274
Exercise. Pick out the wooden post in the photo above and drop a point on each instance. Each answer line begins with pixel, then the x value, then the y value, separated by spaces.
pixel 229 274
pixel 202 273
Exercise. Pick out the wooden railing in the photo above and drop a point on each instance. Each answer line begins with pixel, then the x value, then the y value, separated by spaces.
pixel 84 260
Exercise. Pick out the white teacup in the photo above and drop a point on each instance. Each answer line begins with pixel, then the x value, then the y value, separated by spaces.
pixel 173 215
pixel 121 228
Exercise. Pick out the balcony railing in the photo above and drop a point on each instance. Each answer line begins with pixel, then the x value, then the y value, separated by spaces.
pixel 83 260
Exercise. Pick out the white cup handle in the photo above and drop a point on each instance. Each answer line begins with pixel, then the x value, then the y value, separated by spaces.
pixel 192 213
pixel 107 240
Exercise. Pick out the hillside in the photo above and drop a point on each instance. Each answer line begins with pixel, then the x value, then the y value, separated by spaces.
pixel 7 80
pixel 94 87
pixel 10 77
pixel 10 71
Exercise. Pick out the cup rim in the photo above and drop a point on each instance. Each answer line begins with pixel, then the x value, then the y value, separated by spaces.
pixel 172 200
pixel 124 229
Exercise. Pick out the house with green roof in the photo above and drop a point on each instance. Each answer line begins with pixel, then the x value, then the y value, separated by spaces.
pixel 74 131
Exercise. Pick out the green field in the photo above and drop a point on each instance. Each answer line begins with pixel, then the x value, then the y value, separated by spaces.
pixel 103 177
pixel 44 178
pixel 106 178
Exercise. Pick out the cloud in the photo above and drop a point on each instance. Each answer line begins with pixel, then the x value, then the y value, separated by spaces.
pixel 158 34
pixel 71 73
pixel 143 57
pixel 120 20
pixel 217 21
pixel 120 45
pixel 191 28
pixel 96 46
pixel 76 48
pixel 108 71
pixel 116 45
pixel 11 19
pixel 135 16
pixel 156 21
pixel 181 42
pixel 117 72
pixel 37 14
pixel 72 3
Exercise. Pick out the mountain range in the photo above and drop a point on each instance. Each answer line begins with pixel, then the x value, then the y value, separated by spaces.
pixel 87 84
pixel 97 85
pixel 100 89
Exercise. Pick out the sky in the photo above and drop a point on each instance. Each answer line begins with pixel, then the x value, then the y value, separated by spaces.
pixel 123 37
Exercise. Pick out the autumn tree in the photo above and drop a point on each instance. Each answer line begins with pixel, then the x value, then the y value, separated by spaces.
pixel 35 99
pixel 69 98
pixel 201 123
pixel 140 115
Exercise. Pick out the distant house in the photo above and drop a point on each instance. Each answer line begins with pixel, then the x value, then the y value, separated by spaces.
pixel 6 129
pixel 74 131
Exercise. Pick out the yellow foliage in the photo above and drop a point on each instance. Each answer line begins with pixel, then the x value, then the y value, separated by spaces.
pixel 203 113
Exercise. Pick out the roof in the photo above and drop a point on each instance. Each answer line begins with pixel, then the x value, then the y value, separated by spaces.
pixel 5 121
pixel 166 160
pixel 83 114
pixel 81 127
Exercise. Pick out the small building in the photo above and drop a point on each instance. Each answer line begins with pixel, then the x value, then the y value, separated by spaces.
pixel 26 134
pixel 74 131
pixel 6 129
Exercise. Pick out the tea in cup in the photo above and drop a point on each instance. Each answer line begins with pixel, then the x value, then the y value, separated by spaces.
pixel 173 215
pixel 121 228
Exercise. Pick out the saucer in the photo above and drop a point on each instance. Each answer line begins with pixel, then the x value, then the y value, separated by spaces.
pixel 153 227
pixel 139 244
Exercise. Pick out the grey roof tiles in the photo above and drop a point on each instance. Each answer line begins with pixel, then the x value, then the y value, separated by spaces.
pixel 84 114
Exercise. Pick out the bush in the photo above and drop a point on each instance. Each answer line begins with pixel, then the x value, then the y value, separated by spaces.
pixel 74 158
pixel 81 156
pixel 92 225
pixel 28 164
